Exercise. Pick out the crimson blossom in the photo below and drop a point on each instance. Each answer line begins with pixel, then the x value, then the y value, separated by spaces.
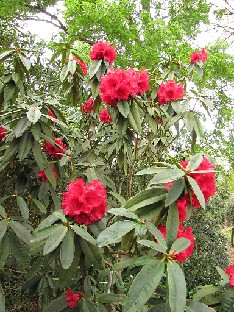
pixel 206 182
pixel 41 174
pixel 72 298
pixel 82 65
pixel 85 202
pixel 105 116
pixel 230 271
pixel 170 91
pixel 54 151
pixel 182 233
pixel 88 106
pixel 120 84
pixel 3 133
pixel 196 56
pixel 103 50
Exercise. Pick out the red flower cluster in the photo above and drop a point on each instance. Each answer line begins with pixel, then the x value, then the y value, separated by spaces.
pixel 230 271
pixel 206 182
pixel 88 106
pixel 3 133
pixel 185 233
pixel 102 50
pixel 170 91
pixel 82 65
pixel 105 116
pixel 120 84
pixel 86 203
pixel 196 56
pixel 41 174
pixel 73 298
pixel 54 151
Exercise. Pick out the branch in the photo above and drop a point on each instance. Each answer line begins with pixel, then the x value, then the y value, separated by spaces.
pixel 42 20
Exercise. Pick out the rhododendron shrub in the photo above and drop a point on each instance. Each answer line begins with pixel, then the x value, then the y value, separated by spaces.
pixel 86 203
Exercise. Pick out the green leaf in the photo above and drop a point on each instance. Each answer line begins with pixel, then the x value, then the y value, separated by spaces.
pixel 114 232
pixel 157 235
pixel 2 211
pixel 123 212
pixel 124 108
pixel 67 249
pixel 177 287
pixel 109 297
pixel 9 153
pixel 94 67
pixel 25 145
pixel 118 197
pixel 47 222
pixel 199 307
pixel 135 119
pixel 224 276
pixel 25 62
pixel 227 304
pixel 175 191
pixel 82 232
pixel 144 198
pixel 21 231
pixel 50 176
pixel 197 191
pixel 36 149
pixel 34 114
pixel 4 250
pixel 150 171
pixel 199 70
pixel 54 240
pixel 64 73
pixel 22 126
pixel 180 244
pixel 57 305
pixel 172 224
pixel 88 306
pixel 204 291
pixel 19 250
pixel 23 207
pixel 194 162
pixel 46 232
pixel 92 254
pixel 167 175
pixel 143 286
pixel 3 228
pixel 132 262
pixel 6 53
pixel 153 245
pixel 40 205
pixel 9 90
pixel 2 300
pixel 71 67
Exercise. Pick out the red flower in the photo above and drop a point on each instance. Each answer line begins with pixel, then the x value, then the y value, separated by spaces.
pixel 185 233
pixel 120 84
pixel 105 116
pixel 196 56
pixel 85 202
pixel 103 50
pixel 182 207
pixel 41 174
pixel 82 65
pixel 50 112
pixel 170 91
pixel 53 151
pixel 3 133
pixel 230 271
pixel 88 106
pixel 73 298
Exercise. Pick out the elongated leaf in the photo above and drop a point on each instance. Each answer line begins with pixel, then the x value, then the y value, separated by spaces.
pixel 180 244
pixel 132 262
pixel 82 232
pixel 157 235
pixel 175 191
pixel 150 171
pixel 54 240
pixel 167 175
pixel 92 254
pixel 177 287
pixel 72 67
pixel 64 73
pixel 144 198
pixel 21 231
pixel 124 108
pixel 114 232
pixel 9 153
pixel 2 211
pixel 199 307
pixel 40 205
pixel 152 245
pixel 34 114
pixel 197 191
pixel 19 250
pixel 25 145
pixel 94 67
pixel 2 300
pixel 172 224
pixel 88 306
pixel 25 62
pixel 224 276
pixel 67 250
pixel 144 285
pixel 123 212
pixel 57 305
pixel 8 52
pixel 23 207
pixel 109 298
pixel 22 126
pixel 4 250
pixel 135 119
pixel 47 222
pixel 118 197
pixel 194 162
pixel 36 149
pixel 204 291
pixel 3 228
pixel 50 176
pixel 227 304
pixel 46 232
